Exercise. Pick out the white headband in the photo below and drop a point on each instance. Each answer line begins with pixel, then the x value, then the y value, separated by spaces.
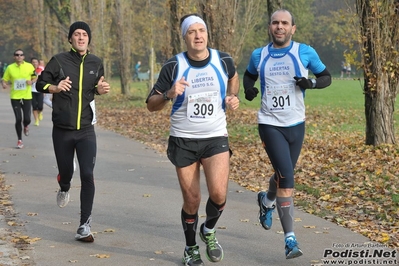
pixel 187 22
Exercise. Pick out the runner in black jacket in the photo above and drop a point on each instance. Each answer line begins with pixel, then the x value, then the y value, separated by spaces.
pixel 73 78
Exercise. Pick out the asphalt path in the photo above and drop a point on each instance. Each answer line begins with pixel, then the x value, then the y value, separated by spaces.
pixel 136 213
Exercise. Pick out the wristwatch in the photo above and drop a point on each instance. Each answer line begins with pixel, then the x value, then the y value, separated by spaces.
pixel 313 83
pixel 165 96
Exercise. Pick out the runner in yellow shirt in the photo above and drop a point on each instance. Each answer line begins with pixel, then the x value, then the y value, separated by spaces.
pixel 19 77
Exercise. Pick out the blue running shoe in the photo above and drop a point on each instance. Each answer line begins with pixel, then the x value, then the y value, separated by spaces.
pixel 265 213
pixel 291 248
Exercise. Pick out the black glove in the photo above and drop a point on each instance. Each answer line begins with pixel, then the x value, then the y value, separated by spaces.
pixel 251 93
pixel 304 83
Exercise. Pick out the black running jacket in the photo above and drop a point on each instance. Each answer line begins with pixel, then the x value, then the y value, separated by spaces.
pixel 74 109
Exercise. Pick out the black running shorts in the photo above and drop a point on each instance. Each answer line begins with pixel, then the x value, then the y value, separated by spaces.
pixel 183 152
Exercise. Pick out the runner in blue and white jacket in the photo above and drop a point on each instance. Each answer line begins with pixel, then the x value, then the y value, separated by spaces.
pixel 283 68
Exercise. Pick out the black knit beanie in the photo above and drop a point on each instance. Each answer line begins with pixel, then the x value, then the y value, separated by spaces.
pixel 79 25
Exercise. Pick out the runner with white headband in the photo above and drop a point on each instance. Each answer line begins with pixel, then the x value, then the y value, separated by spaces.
pixel 190 21
pixel 201 83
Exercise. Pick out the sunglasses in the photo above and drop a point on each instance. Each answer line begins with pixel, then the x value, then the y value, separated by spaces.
pixel 18 54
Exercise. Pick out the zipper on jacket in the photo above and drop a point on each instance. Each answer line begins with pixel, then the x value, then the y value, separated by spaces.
pixel 80 95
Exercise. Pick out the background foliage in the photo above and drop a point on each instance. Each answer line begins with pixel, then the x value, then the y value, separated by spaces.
pixel 41 28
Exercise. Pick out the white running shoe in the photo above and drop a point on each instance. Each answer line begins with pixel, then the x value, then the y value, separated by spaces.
pixel 83 233
pixel 20 145
pixel 62 198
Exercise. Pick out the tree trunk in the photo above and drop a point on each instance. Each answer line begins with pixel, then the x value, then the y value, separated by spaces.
pixel 175 35
pixel 220 28
pixel 123 20
pixel 379 35
pixel 379 109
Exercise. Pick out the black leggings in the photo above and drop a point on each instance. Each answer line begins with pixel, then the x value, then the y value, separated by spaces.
pixel 83 141
pixel 37 101
pixel 283 146
pixel 20 106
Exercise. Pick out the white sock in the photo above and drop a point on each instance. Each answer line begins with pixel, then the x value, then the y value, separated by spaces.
pixel 207 230
pixel 268 203
pixel 289 234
